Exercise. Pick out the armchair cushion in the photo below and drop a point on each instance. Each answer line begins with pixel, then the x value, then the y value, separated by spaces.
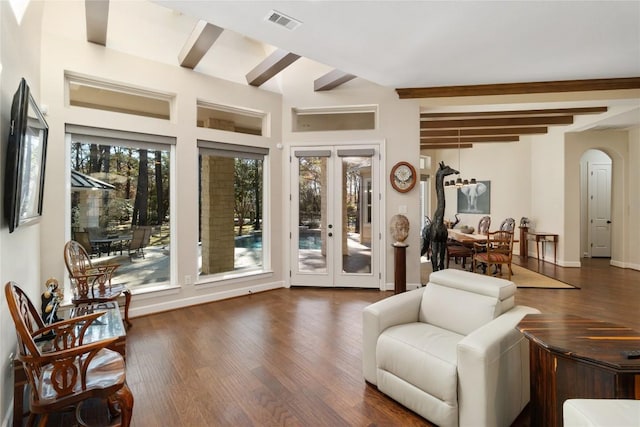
pixel 422 354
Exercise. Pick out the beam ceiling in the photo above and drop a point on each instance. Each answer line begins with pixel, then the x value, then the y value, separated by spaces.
pixel 450 130
pixel 520 88
pixel 97 20
pixel 272 65
pixel 198 44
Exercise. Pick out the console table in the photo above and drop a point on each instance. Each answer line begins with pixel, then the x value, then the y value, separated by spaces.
pixel 541 238
pixel 108 325
pixel 575 357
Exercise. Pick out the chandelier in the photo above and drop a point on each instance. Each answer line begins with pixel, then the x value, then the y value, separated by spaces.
pixel 459 182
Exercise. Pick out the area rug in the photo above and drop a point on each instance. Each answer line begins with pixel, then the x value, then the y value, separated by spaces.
pixel 522 277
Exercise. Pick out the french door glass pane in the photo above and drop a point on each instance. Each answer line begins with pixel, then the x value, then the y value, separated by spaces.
pixel 312 214
pixel 356 215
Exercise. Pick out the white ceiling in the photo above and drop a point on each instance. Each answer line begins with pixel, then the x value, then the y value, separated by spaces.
pixel 443 43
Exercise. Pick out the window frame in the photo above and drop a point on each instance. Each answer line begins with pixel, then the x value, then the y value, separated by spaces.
pixel 134 140
pixel 209 147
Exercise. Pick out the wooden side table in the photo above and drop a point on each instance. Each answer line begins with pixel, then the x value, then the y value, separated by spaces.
pixel 574 357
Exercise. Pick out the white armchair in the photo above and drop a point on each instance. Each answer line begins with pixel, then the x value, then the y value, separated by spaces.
pixel 450 351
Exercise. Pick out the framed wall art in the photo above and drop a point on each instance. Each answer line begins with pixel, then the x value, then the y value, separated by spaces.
pixel 475 199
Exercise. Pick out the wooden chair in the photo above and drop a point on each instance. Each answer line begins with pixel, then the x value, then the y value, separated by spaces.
pixel 498 251
pixel 73 370
pixel 508 224
pixel 92 284
pixel 458 250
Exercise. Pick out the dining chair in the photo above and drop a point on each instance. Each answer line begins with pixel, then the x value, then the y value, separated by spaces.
pixel 66 370
pixel 509 224
pixel 93 284
pixel 498 251
pixel 463 251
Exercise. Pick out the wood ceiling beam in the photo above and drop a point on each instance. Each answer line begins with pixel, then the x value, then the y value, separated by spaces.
pixel 97 20
pixel 272 65
pixel 517 113
pixel 520 88
pixel 443 146
pixel 198 44
pixel 485 131
pixel 496 122
pixel 468 140
pixel 331 80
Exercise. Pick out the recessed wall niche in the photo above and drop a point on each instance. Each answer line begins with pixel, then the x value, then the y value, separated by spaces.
pixel 334 118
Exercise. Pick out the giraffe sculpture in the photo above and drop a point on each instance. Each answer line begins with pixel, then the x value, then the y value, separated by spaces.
pixel 439 232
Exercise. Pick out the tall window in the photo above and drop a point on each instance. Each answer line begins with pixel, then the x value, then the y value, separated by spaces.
pixel 120 202
pixel 231 208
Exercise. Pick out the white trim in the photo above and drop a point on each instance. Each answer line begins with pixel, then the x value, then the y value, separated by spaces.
pixel 204 298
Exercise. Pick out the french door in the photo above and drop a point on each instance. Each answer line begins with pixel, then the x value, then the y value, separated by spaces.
pixel 335 220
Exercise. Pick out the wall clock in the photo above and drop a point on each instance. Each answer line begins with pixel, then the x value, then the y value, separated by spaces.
pixel 403 176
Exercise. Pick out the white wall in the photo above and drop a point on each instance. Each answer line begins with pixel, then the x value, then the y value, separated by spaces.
pixel 508 168
pixel 632 205
pixel 20 250
pixel 397 132
pixel 616 145
pixel 66 50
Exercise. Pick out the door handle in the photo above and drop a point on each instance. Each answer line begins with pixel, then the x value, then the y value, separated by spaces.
pixel 330 234
pixel 608 221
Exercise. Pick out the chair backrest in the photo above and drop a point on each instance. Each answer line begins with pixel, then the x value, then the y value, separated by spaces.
pixel 76 258
pixel 137 239
pixel 25 317
pixel 484 224
pixel 508 224
pixel 501 241
pixel 461 301
pixel 147 235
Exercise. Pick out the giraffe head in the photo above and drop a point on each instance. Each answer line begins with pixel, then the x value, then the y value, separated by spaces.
pixel 445 170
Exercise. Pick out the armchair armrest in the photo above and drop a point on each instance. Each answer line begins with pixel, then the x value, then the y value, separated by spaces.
pixel 395 310
pixel 493 371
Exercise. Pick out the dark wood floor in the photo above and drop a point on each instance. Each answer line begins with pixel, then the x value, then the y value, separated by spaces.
pixel 293 356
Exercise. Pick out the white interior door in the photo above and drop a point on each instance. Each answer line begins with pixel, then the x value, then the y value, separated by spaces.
pixel 600 209
pixel 335 233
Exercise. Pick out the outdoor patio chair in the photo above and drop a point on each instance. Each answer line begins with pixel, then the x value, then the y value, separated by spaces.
pixel 137 242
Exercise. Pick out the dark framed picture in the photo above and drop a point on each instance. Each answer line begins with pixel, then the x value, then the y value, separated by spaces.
pixel 475 199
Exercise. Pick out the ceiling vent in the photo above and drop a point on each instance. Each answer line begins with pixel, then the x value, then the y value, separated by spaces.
pixel 283 20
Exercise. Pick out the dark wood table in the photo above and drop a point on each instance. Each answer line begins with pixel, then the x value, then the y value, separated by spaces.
pixel 574 357
pixel 107 326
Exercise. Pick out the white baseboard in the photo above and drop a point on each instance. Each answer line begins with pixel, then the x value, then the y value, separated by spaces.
pixel 621 264
pixel 203 299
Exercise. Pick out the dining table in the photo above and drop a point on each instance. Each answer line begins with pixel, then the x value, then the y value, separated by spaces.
pixel 466 238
